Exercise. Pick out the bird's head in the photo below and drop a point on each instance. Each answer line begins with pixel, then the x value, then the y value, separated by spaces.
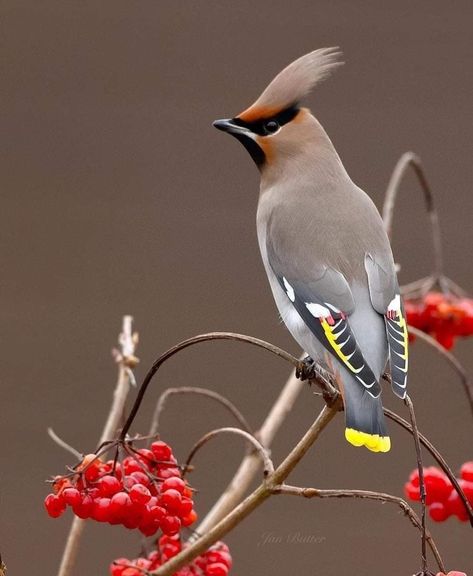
pixel 275 127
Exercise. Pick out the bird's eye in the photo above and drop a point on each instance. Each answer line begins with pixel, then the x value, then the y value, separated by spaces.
pixel 271 126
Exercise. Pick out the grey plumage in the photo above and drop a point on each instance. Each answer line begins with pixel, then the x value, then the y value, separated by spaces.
pixel 324 248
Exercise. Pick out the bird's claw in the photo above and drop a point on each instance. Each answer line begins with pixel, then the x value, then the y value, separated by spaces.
pixel 306 369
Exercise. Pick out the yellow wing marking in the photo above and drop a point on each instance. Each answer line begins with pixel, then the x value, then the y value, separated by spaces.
pixel 332 339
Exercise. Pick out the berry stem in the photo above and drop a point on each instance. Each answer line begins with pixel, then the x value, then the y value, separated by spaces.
pixel 409 159
pixel 368 495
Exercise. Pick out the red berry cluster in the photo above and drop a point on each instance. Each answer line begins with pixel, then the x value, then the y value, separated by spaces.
pixel 442 316
pixel 144 491
pixel 216 561
pixel 441 497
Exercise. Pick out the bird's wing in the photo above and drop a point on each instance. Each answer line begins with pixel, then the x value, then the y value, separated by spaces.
pixel 386 299
pixel 323 299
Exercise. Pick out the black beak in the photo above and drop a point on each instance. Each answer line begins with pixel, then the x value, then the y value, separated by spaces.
pixel 226 125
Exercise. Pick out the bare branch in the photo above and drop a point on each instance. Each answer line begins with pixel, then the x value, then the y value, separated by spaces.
pixel 420 468
pixel 191 342
pixel 367 495
pixel 268 467
pixel 128 341
pixel 162 400
pixel 63 444
pixel 409 159
pixel 255 499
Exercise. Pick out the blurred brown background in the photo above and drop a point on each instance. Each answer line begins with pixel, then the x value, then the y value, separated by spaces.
pixel 119 197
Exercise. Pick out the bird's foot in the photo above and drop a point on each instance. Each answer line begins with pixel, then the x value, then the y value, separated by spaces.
pixel 306 369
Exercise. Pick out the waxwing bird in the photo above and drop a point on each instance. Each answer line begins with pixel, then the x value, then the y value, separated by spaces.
pixel 324 248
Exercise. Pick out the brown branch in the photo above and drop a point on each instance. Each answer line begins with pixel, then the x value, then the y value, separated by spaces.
pixel 191 342
pixel 409 159
pixel 268 467
pixel 162 400
pixel 249 466
pixel 437 456
pixel 63 444
pixel 450 358
pixel 127 359
pixel 255 499
pixel 364 494
pixel 420 468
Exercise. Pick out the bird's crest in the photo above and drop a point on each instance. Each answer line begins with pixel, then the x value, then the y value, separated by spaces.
pixel 293 83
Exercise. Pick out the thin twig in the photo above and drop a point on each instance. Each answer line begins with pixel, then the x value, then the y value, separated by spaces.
pixel 437 456
pixel 162 400
pixel 63 444
pixel 268 467
pixel 249 466
pixel 128 341
pixel 191 342
pixel 364 494
pixel 420 468
pixel 255 499
pixel 409 159
pixel 451 359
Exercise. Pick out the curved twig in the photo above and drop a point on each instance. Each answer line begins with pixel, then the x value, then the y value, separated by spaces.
pixel 196 340
pixel 241 481
pixel 437 456
pixel 409 159
pixel 268 466
pixel 63 444
pixel 225 402
pixel 451 359
pixel 364 494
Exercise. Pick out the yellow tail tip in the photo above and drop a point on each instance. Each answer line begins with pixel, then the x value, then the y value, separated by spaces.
pixel 373 442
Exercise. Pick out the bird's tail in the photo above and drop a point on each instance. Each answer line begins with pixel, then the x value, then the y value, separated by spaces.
pixel 365 423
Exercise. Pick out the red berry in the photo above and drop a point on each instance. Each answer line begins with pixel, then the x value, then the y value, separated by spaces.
pixel 412 492
pixel 84 508
pixel 118 566
pixel 455 506
pixel 175 483
pixel 466 471
pixel 54 505
pixel 108 485
pixel 146 456
pixel 222 556
pixel 185 507
pixel 171 499
pixel 438 512
pixel 71 496
pixel 170 525
pixel 161 450
pixel 189 519
pixel 101 510
pixel 217 569
pixel 437 485
pixel 140 477
pixel 157 513
pixel 139 494
pixel 130 465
